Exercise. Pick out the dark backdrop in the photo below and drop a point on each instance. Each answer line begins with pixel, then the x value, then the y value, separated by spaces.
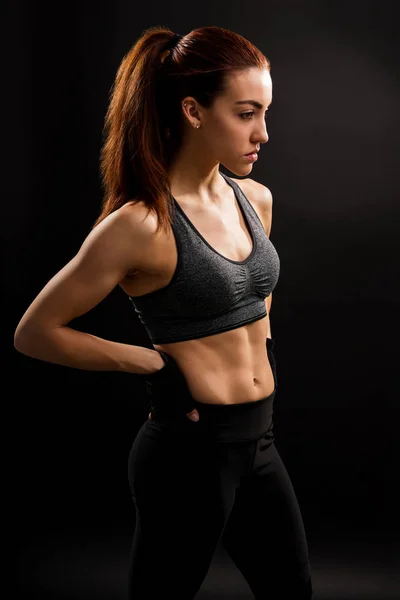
pixel 330 164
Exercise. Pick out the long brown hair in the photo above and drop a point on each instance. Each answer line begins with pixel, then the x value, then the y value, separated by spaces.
pixel 143 124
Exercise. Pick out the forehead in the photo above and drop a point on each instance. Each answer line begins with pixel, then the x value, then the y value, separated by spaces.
pixel 252 83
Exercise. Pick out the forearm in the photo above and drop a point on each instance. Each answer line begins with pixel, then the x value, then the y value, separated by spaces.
pixel 268 302
pixel 71 348
pixel 269 334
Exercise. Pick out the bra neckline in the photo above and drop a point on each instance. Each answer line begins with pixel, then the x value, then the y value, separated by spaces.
pixel 246 220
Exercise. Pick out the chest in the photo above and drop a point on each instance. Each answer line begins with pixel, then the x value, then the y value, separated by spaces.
pixel 223 228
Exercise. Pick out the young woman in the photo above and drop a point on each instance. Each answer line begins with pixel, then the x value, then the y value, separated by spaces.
pixel 190 247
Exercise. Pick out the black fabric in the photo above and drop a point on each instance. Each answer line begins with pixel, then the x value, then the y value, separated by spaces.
pixel 196 483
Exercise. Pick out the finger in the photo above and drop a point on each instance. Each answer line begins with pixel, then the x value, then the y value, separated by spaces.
pixel 193 415
pixel 150 417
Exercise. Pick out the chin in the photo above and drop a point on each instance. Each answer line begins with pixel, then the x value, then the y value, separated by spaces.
pixel 241 171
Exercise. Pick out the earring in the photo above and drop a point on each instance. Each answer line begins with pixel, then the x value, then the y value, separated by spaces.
pixel 194 124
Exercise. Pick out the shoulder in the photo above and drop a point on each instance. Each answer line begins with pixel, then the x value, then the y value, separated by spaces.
pixel 259 193
pixel 136 212
pixel 260 197
pixel 125 235
pixel 132 220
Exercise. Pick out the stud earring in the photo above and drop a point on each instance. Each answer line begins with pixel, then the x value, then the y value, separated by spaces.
pixel 194 124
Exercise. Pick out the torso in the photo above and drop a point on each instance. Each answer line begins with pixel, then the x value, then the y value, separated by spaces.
pixel 232 366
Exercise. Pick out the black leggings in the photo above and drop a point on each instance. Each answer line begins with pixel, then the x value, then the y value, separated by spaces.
pixel 194 484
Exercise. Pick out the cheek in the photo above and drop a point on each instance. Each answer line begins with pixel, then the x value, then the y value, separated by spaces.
pixel 226 126
pixel 230 134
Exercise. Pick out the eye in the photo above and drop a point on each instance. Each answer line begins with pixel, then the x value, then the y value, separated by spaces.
pixel 248 115
pixel 245 115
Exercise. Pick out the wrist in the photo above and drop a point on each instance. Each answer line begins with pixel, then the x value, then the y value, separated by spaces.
pixel 158 362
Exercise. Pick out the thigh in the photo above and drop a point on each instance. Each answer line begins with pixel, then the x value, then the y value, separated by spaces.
pixel 182 506
pixel 265 534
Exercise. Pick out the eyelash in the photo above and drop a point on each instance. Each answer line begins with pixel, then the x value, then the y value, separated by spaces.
pixel 243 115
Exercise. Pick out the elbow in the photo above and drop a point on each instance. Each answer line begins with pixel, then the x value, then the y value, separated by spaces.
pixel 21 340
pixel 25 338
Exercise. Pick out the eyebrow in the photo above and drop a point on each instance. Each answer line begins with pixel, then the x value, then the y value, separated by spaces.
pixel 252 102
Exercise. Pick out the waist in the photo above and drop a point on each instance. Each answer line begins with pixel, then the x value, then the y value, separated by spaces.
pixel 244 421
pixel 227 367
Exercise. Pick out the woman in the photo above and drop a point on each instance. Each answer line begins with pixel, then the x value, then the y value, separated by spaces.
pixel 190 247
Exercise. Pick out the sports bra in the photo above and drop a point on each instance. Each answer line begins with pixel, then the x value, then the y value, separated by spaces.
pixel 208 292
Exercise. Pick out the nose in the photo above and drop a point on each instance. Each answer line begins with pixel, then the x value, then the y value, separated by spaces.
pixel 261 135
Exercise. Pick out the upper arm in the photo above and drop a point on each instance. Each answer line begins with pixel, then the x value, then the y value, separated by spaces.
pixel 107 254
pixel 263 200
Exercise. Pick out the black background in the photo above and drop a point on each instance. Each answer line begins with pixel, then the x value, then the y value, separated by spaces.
pixel 330 165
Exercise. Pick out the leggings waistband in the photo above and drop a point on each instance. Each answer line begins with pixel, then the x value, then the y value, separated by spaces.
pixel 244 421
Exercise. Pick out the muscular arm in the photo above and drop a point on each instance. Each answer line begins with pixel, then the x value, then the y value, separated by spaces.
pixel 263 200
pixel 268 302
pixel 108 253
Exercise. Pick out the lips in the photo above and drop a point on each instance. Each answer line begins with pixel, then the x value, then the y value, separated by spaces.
pixel 250 153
